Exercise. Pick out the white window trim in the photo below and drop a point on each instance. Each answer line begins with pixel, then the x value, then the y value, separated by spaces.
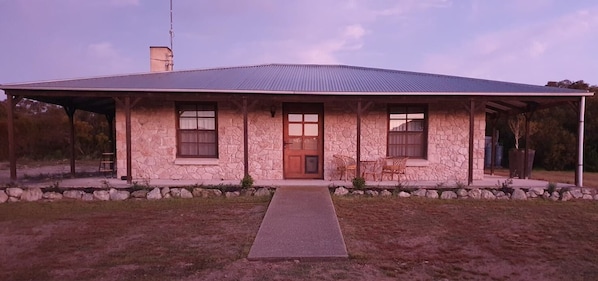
pixel 197 161
pixel 417 162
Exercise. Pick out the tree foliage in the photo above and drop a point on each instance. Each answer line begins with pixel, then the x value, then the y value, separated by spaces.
pixel 555 132
pixel 42 131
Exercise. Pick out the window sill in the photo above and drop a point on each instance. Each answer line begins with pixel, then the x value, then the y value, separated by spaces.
pixel 197 161
pixel 417 163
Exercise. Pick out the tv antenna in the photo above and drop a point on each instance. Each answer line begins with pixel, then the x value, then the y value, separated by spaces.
pixel 171 36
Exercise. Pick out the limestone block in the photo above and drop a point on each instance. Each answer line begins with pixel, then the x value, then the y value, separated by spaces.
pixel 32 194
pixel 475 193
pixel 186 194
pixel 385 193
pixel 101 195
pixel 262 192
pixel 419 192
pixel 341 191
pixel 142 193
pixel 87 196
pixel 519 194
pixel 404 194
pixel 72 194
pixel 487 195
pixel 448 195
pixel 14 192
pixel 52 195
pixel 431 193
pixel 154 194
pixel 3 196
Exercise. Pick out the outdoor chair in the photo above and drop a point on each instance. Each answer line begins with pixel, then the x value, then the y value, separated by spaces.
pixel 345 165
pixel 374 169
pixel 394 166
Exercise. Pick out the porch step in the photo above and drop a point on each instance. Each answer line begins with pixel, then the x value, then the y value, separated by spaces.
pixel 300 223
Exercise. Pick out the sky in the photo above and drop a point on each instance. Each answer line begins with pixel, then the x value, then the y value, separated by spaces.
pixel 523 41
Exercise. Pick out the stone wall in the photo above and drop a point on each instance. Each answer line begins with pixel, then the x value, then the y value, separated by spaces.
pixel 154 142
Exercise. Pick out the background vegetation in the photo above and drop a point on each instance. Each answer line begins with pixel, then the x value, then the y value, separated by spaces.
pixel 555 133
pixel 42 132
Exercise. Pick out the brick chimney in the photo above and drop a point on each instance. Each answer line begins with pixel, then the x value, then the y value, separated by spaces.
pixel 160 59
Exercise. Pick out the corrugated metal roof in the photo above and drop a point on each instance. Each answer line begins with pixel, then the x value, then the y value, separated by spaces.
pixel 296 78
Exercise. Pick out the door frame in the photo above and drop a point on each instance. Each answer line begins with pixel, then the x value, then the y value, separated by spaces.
pixel 303 108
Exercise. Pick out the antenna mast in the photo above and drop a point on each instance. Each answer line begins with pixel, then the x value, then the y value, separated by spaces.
pixel 171 36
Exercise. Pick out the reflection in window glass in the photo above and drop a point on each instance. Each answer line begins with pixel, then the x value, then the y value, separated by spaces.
pixel 295 130
pixel 311 130
pixel 295 117
pixel 311 117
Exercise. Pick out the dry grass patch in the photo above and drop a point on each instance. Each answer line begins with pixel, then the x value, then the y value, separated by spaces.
pixel 467 239
pixel 159 240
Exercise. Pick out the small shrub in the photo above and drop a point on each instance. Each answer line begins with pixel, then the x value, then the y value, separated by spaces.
pixel 551 187
pixel 358 182
pixel 247 182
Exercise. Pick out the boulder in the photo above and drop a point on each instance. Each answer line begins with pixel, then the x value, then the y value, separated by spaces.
pixel 462 192
pixel 357 192
pixel 371 193
pixel 341 191
pixel 165 191
pixel 566 196
pixel 419 192
pixel 175 192
pixel 186 194
pixel 14 192
pixel 518 194
pixel 487 195
pixel 154 194
pixel 119 195
pixel 262 192
pixel 232 194
pixel 87 197
pixel 13 199
pixel 576 193
pixel 52 195
pixel 538 191
pixel 555 196
pixel 101 195
pixel 32 194
pixel 531 194
pixel 72 194
pixel 585 197
pixel 501 195
pixel 247 191
pixel 448 195
pixel 475 193
pixel 3 196
pixel 385 193
pixel 139 194
pixel 404 194
pixel 213 192
pixel 433 194
pixel 200 192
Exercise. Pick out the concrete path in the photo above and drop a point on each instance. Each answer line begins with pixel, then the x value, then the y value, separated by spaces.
pixel 300 223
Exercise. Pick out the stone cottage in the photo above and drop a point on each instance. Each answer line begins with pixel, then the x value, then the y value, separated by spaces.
pixel 286 121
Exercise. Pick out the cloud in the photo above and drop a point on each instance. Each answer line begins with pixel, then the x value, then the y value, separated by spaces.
pixel 103 57
pixel 520 51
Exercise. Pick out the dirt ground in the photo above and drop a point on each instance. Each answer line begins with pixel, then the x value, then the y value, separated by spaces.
pixel 387 239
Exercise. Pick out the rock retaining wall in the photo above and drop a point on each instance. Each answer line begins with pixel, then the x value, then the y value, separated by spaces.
pixel 564 194
pixel 17 194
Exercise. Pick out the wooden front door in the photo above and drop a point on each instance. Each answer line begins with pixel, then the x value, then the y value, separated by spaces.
pixel 303 141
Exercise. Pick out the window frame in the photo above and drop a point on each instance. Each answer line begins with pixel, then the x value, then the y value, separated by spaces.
pixel 214 107
pixel 389 133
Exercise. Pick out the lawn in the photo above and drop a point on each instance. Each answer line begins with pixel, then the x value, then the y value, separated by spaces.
pixel 387 239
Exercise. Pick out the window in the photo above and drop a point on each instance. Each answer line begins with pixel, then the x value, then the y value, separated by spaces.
pixel 407 131
pixel 197 130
